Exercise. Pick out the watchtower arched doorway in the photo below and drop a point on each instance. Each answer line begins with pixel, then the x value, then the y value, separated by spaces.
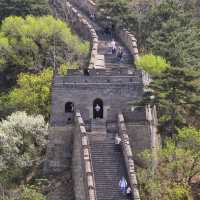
pixel 98 109
pixel 69 110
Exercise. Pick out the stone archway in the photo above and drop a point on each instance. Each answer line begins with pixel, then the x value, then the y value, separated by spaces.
pixel 69 107
pixel 98 109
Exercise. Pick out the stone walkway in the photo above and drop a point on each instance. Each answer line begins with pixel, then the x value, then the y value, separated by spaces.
pixel 109 168
pixel 104 48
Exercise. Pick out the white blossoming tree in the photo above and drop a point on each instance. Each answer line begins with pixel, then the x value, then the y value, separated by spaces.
pixel 22 140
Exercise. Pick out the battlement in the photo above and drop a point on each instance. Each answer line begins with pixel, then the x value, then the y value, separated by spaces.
pixel 98 77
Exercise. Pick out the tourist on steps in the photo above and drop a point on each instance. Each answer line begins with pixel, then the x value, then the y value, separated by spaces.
pixel 92 16
pixel 119 54
pixel 113 46
pixel 128 192
pixel 123 185
pixel 117 139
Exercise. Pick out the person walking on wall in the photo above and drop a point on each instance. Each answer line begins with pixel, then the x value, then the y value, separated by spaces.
pixel 117 139
pixel 92 16
pixel 128 192
pixel 119 54
pixel 113 46
pixel 123 185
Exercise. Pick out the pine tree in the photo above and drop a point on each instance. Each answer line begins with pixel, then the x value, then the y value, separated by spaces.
pixel 176 90
pixel 176 96
pixel 115 10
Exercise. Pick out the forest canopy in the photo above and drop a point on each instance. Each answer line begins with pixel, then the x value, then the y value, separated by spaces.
pixel 23 8
pixel 38 42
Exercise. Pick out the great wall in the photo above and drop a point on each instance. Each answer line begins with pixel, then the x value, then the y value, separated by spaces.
pixel 82 139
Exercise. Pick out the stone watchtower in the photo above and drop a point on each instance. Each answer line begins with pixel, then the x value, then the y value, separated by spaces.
pixel 109 88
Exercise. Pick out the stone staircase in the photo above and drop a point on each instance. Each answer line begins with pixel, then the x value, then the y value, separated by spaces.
pixel 111 61
pixel 109 167
pixel 98 130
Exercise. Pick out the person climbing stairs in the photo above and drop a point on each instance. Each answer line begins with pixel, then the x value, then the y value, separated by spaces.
pixel 109 168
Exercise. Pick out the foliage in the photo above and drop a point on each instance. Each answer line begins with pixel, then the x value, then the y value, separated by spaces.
pixel 177 98
pixel 115 9
pixel 177 43
pixel 154 65
pixel 65 67
pixel 30 193
pixel 156 14
pixel 32 93
pixel 23 8
pixel 178 164
pixel 38 42
pixel 27 193
pixel 173 34
pixel 22 141
pixel 5 108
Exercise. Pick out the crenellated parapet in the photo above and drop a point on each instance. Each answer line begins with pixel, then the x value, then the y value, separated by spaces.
pixel 88 6
pixel 128 157
pixel 84 163
pixel 79 21
pixel 130 41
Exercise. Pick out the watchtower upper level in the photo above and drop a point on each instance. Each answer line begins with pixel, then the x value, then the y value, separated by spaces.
pixel 117 90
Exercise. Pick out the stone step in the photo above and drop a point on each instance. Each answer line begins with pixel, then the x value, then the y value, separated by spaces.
pixel 109 167
pixel 97 135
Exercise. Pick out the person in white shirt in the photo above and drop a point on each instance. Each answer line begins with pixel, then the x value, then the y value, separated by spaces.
pixel 128 192
pixel 113 46
pixel 97 108
pixel 123 185
pixel 117 139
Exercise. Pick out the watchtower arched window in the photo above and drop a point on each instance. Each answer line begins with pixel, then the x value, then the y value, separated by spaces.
pixel 97 109
pixel 70 112
pixel 69 107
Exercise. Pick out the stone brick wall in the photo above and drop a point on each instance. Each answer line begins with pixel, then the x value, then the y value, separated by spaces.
pixel 128 156
pixel 77 168
pixel 130 41
pixel 140 137
pixel 59 150
pixel 88 6
pixel 116 92
pixel 84 182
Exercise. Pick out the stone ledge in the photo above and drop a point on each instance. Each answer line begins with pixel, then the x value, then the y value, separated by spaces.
pixel 128 156
pixel 87 168
pixel 82 21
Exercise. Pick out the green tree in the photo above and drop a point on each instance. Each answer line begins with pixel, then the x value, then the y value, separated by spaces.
pixel 178 164
pixel 178 43
pixel 23 8
pixel 152 64
pixel 65 67
pixel 31 193
pixel 175 37
pixel 37 42
pixel 176 97
pixel 27 193
pixel 32 93
pixel 155 15
pixel 22 142
pixel 117 10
